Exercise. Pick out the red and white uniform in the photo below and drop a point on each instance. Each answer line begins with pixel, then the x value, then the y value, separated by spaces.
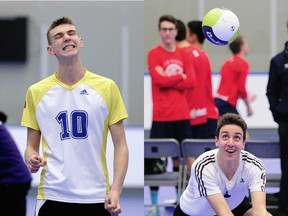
pixel 200 98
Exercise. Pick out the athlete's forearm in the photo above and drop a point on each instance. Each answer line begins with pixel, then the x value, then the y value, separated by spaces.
pixel 29 152
pixel 120 155
pixel 33 143
pixel 120 166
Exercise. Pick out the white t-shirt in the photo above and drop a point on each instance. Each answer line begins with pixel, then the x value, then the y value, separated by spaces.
pixel 74 123
pixel 207 179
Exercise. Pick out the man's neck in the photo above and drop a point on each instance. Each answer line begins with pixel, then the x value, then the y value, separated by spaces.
pixel 169 47
pixel 228 168
pixel 183 44
pixel 70 74
pixel 199 45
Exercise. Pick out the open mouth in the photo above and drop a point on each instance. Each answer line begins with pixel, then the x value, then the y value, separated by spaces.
pixel 230 151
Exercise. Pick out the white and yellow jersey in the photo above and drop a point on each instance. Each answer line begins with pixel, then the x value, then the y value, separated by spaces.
pixel 74 123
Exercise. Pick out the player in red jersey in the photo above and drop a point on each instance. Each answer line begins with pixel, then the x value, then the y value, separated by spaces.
pixel 234 73
pixel 203 111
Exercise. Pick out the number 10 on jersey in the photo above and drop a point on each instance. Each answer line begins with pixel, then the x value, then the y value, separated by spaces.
pixel 73 125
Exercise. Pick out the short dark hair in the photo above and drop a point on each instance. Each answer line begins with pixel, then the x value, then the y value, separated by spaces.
pixel 60 21
pixel 231 119
pixel 195 27
pixel 3 117
pixel 168 18
pixel 181 28
pixel 235 46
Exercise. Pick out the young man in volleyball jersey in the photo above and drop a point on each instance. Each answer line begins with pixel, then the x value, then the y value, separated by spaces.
pixel 220 178
pixel 73 110
pixel 171 75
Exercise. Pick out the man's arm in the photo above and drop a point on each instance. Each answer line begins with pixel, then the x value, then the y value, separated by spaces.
pixel 259 203
pixel 32 158
pixel 158 75
pixel 190 81
pixel 219 204
pixel 112 201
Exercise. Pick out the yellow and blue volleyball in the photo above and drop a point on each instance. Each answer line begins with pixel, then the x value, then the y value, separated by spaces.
pixel 220 26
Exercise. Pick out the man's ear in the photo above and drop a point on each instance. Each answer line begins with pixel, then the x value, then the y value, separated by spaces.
pixel 50 50
pixel 216 141
pixel 81 42
pixel 244 143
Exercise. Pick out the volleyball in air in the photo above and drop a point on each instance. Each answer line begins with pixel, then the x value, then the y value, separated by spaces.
pixel 220 26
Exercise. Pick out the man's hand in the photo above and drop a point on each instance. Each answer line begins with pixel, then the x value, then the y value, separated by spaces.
pixel 34 163
pixel 160 71
pixel 112 203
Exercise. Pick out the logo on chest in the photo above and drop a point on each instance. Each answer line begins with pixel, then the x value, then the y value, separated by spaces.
pixel 84 92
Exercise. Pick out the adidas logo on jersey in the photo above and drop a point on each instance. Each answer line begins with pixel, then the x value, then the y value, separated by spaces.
pixel 227 195
pixel 84 92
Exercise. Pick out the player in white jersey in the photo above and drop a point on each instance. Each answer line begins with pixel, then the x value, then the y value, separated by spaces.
pixel 222 179
pixel 73 110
